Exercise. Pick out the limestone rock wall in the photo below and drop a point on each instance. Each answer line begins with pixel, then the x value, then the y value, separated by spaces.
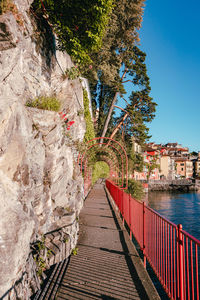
pixel 41 190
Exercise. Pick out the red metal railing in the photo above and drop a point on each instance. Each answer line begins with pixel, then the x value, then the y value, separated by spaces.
pixel 172 253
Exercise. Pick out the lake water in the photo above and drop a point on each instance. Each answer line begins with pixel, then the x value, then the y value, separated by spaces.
pixel 179 208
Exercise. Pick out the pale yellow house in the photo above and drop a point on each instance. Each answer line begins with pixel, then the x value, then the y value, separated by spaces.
pixel 167 167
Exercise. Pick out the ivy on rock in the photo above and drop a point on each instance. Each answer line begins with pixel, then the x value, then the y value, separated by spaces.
pixel 79 25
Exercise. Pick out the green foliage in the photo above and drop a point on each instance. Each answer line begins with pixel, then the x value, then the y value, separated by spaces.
pixel 79 25
pixel 41 265
pixel 74 251
pixel 44 102
pixel 120 37
pixel 68 209
pixel 40 248
pixel 72 73
pixel 135 162
pixel 49 252
pixel 41 244
pixel 100 170
pixel 120 61
pixel 135 188
pixel 153 164
pixel 194 153
pixel 141 111
pixel 89 134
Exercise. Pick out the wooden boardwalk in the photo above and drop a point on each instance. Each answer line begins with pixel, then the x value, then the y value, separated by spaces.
pixel 107 266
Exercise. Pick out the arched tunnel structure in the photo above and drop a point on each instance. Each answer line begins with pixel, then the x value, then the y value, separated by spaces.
pixel 112 153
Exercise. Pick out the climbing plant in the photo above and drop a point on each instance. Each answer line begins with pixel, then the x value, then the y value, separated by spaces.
pixel 89 134
pixel 79 25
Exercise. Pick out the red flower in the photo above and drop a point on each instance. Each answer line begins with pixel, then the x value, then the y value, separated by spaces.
pixel 71 123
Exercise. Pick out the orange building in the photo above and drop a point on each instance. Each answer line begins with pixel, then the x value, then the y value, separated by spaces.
pixel 184 167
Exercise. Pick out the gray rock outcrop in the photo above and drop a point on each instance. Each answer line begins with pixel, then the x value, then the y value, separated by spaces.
pixel 41 189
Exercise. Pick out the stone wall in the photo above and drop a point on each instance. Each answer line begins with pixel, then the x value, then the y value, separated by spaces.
pixel 182 185
pixel 41 189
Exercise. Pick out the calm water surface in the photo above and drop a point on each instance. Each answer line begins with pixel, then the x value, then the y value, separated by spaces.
pixel 179 208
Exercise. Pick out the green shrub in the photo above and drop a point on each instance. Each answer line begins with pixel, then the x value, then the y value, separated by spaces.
pixel 44 102
pixel 75 251
pixel 89 134
pixel 72 73
pixel 135 188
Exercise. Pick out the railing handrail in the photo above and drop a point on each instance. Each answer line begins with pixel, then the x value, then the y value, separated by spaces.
pixel 159 215
pixel 191 237
pixel 172 252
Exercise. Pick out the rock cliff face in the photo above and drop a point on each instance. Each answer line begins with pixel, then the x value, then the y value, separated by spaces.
pixel 41 190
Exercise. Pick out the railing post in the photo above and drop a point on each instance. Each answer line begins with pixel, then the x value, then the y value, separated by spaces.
pixel 130 216
pixel 144 228
pixel 118 197
pixel 123 207
pixel 180 262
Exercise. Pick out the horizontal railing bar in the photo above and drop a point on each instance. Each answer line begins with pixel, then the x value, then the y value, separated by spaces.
pixel 191 237
pixel 163 218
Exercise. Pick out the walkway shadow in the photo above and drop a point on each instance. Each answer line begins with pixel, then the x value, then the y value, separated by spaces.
pixel 138 284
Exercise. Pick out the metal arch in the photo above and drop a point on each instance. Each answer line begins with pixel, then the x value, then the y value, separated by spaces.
pixel 112 147
pixel 108 161
pixel 112 161
pixel 124 152
pixel 110 152
pixel 111 166
pixel 87 172
pixel 117 151
pixel 101 149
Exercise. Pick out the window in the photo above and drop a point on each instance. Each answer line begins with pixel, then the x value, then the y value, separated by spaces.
pixel 182 169
pixel 182 164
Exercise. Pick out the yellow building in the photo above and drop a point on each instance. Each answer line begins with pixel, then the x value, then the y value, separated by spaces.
pixel 167 167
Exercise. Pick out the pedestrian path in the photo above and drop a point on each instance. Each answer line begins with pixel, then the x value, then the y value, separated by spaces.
pixel 106 265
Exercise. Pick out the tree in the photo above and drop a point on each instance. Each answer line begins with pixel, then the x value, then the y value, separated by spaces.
pixel 117 53
pixel 141 111
pixel 135 188
pixel 194 153
pixel 152 165
pixel 140 108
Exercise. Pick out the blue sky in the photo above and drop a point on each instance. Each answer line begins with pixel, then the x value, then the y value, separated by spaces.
pixel 170 36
